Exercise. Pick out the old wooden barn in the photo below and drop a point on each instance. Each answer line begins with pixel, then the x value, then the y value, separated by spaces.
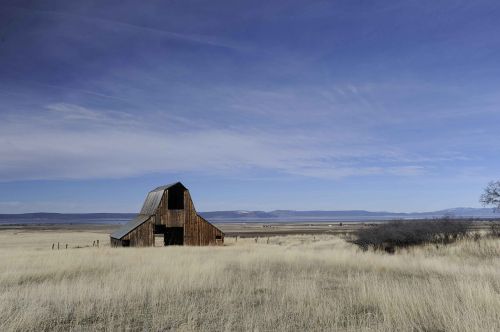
pixel 168 212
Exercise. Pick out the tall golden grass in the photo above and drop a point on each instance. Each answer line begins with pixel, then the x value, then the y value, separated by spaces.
pixel 294 283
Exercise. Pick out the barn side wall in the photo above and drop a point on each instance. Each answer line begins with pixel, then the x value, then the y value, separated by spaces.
pixel 142 236
pixel 116 242
pixel 208 233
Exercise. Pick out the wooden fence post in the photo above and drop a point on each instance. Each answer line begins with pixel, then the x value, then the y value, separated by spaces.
pixel 53 244
pixel 97 243
pixel 57 245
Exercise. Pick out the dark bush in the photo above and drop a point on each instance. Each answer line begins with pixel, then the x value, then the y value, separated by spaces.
pixel 402 234
pixel 495 229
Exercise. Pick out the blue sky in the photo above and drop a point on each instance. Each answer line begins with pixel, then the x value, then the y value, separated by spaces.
pixel 266 105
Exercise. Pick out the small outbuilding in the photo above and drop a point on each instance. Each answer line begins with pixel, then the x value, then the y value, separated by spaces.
pixel 168 212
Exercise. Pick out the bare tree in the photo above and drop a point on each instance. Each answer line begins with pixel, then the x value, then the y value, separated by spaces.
pixel 491 195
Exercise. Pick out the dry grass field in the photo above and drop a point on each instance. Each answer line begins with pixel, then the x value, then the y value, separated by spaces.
pixel 292 283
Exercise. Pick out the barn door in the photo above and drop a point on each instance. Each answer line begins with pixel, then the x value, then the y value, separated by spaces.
pixel 174 236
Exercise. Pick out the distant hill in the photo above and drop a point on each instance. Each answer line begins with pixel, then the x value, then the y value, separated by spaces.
pixel 348 214
pixel 58 218
pixel 470 212
pixel 46 215
pixel 239 215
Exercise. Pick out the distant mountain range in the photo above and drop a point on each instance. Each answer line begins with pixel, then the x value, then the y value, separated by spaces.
pixel 349 214
pixel 225 216
pixel 65 218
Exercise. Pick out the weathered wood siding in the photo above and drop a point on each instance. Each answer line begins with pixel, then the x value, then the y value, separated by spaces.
pixel 198 231
pixel 208 233
pixel 190 225
pixel 142 236
pixel 169 218
pixel 174 218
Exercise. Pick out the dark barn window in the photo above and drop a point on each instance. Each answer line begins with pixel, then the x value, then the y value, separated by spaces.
pixel 126 243
pixel 160 229
pixel 176 198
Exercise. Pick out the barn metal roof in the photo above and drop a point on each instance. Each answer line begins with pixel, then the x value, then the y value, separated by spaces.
pixel 151 203
pixel 148 209
pixel 165 187
pixel 130 226
pixel 154 198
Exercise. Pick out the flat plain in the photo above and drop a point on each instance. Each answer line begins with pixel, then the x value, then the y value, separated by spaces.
pixel 294 282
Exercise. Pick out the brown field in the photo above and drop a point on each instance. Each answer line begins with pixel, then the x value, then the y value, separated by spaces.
pixel 294 282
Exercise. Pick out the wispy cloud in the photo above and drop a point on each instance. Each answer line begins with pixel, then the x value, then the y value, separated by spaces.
pixel 74 113
pixel 72 141
pixel 127 26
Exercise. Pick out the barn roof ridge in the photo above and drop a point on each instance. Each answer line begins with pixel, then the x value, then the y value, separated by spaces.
pixel 167 186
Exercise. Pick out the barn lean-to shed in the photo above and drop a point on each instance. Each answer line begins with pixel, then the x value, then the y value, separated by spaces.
pixel 170 212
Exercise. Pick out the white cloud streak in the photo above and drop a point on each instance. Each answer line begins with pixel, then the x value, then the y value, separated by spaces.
pixel 71 141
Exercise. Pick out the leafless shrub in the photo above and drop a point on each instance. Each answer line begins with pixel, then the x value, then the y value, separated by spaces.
pixel 402 234
pixel 495 229
pixel 491 195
